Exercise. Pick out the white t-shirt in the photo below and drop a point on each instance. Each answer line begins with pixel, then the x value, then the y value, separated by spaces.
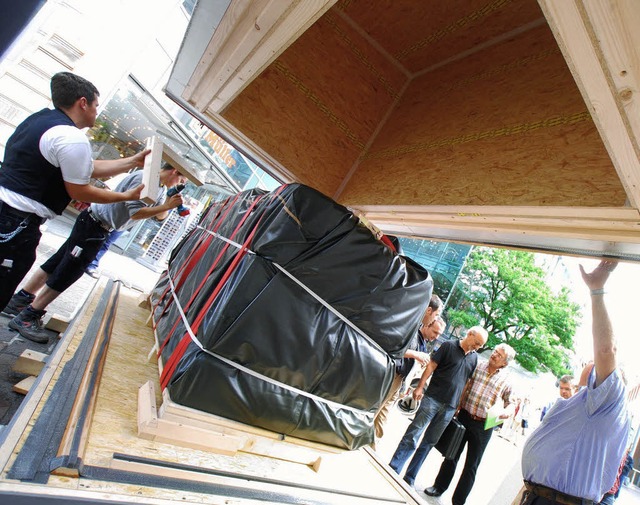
pixel 63 146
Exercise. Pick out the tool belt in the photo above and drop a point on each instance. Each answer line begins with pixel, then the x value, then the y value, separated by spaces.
pixel 556 496
pixel 98 222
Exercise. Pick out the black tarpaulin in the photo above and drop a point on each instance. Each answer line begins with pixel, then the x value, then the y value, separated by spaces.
pixel 294 313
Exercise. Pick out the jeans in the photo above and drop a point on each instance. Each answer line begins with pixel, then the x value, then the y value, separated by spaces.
pixel 476 438
pixel 111 238
pixel 432 415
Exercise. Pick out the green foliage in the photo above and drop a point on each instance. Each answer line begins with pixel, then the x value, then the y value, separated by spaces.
pixel 507 294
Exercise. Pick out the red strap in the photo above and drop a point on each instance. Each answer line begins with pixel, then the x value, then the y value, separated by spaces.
pixel 211 268
pixel 178 352
pixel 185 268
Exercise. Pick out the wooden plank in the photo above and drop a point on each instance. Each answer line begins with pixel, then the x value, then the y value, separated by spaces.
pixel 599 40
pixel 30 362
pixel 251 35
pixel 85 400
pixel 605 213
pixel 151 171
pixel 15 438
pixel 24 386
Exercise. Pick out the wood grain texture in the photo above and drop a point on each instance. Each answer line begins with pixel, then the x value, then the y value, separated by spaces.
pixel 508 127
pixel 316 107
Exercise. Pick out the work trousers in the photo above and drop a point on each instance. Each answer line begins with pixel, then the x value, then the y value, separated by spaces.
pixel 476 438
pixel 68 263
pixel 17 251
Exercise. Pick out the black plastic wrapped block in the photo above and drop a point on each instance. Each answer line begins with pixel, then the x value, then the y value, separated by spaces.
pixel 297 336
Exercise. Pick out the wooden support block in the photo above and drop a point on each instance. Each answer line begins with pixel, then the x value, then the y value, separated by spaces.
pixel 24 385
pixel 57 323
pixel 256 440
pixel 160 430
pixel 143 301
pixel 149 322
pixel 30 362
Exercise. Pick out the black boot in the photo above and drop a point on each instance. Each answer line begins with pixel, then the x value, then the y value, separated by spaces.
pixel 18 303
pixel 29 324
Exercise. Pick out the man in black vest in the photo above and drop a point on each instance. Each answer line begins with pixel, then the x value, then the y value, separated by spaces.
pixel 47 163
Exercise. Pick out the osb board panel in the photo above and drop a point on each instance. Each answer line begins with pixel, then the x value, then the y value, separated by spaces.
pixel 504 127
pixel 114 426
pixel 316 107
pixel 420 34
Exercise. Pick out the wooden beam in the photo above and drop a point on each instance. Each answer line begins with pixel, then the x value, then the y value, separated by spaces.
pixel 250 36
pixel 178 162
pixel 152 166
pixel 618 225
pixel 151 171
pixel 600 41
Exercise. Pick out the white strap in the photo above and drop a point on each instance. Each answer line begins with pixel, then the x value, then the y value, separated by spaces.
pixel 244 369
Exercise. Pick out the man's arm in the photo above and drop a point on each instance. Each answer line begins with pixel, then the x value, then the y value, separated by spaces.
pixel 604 345
pixel 90 194
pixel 160 211
pixel 420 357
pixel 109 168
pixel 418 392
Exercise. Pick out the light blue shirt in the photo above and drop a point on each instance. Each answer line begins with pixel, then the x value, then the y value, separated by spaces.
pixel 579 444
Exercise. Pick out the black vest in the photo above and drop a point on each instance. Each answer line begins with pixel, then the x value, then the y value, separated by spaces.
pixel 26 171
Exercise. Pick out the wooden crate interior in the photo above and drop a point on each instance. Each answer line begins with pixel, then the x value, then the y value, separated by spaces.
pixel 423 103
pixel 520 113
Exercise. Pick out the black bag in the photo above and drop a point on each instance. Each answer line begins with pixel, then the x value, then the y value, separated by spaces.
pixel 451 439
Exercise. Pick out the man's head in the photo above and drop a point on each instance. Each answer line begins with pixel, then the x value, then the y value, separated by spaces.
pixel 566 386
pixel 434 330
pixel 501 356
pixel 433 310
pixel 69 90
pixel 476 337
pixel 170 176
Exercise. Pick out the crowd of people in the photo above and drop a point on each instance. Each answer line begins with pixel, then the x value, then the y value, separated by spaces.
pixel 579 452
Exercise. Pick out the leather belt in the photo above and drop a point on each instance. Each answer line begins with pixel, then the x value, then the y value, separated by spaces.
pixel 476 418
pixel 97 220
pixel 556 496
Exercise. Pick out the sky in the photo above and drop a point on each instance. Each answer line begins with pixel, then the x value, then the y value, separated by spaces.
pixel 623 303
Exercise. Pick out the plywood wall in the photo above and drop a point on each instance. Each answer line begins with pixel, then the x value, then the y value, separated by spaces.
pixel 505 126
pixel 317 106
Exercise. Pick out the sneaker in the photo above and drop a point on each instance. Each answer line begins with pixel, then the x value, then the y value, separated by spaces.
pixel 17 304
pixel 29 324
pixel 92 272
pixel 433 491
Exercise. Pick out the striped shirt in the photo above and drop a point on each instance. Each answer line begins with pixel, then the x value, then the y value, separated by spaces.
pixel 486 389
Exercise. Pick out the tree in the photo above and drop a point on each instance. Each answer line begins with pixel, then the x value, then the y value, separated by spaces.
pixel 507 294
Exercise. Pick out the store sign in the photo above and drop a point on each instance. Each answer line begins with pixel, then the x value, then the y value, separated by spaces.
pixel 221 148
